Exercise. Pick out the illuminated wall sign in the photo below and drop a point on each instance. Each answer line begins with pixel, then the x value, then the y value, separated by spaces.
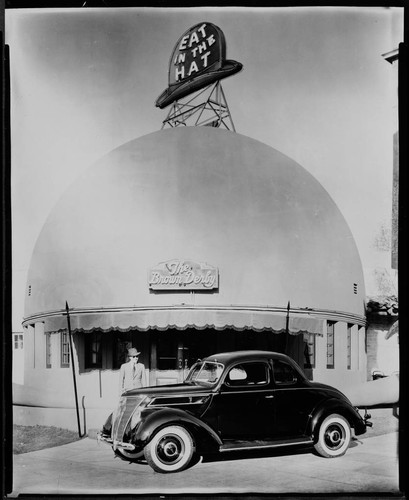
pixel 198 59
pixel 183 275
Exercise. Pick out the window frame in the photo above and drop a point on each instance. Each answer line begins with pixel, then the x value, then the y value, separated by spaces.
pixel 349 346
pixel 65 349
pixel 18 341
pixel 331 346
pixel 48 363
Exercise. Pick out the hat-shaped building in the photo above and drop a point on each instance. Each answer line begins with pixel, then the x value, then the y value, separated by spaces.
pixel 186 242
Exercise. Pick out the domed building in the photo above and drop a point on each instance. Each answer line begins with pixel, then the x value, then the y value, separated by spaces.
pixel 183 243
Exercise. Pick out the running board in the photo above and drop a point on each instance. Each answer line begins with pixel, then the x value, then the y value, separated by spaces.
pixel 256 445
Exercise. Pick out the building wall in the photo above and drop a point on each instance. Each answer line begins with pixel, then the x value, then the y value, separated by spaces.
pixel 341 377
pixel 383 354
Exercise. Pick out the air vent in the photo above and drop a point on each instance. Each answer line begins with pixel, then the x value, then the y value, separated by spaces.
pixel 355 288
pixel 29 290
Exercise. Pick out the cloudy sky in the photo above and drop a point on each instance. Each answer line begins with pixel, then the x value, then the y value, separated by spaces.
pixel 314 85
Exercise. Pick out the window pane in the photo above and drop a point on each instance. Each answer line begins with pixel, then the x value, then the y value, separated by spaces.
pixel 284 374
pixel 93 354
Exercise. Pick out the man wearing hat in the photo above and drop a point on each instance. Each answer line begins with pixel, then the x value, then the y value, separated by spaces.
pixel 132 373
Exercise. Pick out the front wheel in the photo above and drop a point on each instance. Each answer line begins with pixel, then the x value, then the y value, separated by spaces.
pixel 334 437
pixel 170 450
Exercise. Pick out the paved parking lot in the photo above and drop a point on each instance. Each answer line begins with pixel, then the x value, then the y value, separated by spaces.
pixel 85 467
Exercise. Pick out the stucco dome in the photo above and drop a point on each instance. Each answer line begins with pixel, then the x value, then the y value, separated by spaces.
pixel 203 194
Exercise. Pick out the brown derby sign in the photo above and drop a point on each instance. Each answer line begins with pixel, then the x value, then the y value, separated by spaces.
pixel 183 275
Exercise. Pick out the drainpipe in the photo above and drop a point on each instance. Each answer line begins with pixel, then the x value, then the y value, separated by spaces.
pixel 73 372
pixel 287 328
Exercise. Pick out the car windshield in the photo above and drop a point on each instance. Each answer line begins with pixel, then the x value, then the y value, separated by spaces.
pixel 206 372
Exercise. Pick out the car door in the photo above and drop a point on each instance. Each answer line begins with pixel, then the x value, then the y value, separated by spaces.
pixel 245 404
pixel 293 399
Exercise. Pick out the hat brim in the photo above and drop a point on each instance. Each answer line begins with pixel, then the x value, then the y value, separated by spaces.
pixel 185 88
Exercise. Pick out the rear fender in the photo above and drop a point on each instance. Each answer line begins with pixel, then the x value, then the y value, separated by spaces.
pixel 335 406
pixel 206 439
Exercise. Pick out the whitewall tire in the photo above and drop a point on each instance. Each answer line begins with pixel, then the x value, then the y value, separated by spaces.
pixel 170 450
pixel 334 436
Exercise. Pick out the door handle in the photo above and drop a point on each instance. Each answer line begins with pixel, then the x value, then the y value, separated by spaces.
pixel 268 397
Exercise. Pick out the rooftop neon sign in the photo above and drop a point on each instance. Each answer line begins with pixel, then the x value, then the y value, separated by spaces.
pixel 198 59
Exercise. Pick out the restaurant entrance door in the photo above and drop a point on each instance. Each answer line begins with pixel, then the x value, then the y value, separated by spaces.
pixel 173 352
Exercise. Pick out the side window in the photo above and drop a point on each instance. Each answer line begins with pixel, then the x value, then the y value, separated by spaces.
pixel 284 374
pixel 248 374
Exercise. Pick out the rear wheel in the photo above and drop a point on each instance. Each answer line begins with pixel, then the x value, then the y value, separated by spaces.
pixel 334 436
pixel 170 450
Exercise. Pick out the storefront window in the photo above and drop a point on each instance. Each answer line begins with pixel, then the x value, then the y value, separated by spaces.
pixel 309 350
pixel 330 345
pixel 93 350
pixel 65 349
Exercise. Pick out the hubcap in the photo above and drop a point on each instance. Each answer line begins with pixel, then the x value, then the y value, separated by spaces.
pixel 170 449
pixel 334 437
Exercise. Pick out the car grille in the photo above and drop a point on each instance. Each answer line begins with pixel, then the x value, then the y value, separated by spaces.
pixel 122 415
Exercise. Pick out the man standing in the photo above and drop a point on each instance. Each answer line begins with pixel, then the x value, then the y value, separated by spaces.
pixel 132 373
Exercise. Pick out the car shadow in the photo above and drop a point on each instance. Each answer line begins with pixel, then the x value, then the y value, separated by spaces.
pixel 266 453
pixel 260 453
pixel 230 456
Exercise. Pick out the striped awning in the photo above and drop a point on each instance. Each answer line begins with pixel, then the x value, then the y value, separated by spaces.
pixel 182 318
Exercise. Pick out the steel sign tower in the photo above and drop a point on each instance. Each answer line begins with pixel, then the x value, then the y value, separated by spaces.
pixel 197 64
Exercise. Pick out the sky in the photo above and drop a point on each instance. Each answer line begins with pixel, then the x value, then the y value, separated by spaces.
pixel 314 86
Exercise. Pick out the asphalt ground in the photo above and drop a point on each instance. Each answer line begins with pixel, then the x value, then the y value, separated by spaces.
pixel 86 467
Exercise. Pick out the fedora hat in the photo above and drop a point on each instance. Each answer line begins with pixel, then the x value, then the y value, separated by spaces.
pixel 133 352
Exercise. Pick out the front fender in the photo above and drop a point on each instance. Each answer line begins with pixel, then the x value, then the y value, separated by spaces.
pixel 206 439
pixel 335 406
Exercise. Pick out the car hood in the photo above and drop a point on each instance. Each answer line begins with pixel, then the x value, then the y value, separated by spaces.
pixel 168 390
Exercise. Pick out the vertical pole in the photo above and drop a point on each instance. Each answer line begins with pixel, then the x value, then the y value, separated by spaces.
pixel 287 319
pixel 73 368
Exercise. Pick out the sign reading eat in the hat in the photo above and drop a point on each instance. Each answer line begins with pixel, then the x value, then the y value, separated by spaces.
pixel 198 59
pixel 202 47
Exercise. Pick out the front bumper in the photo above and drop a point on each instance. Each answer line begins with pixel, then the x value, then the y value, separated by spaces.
pixel 115 442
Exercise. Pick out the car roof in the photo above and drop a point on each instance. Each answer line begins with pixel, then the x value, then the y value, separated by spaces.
pixel 247 355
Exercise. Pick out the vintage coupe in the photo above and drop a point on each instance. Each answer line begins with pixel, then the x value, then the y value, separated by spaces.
pixel 231 401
